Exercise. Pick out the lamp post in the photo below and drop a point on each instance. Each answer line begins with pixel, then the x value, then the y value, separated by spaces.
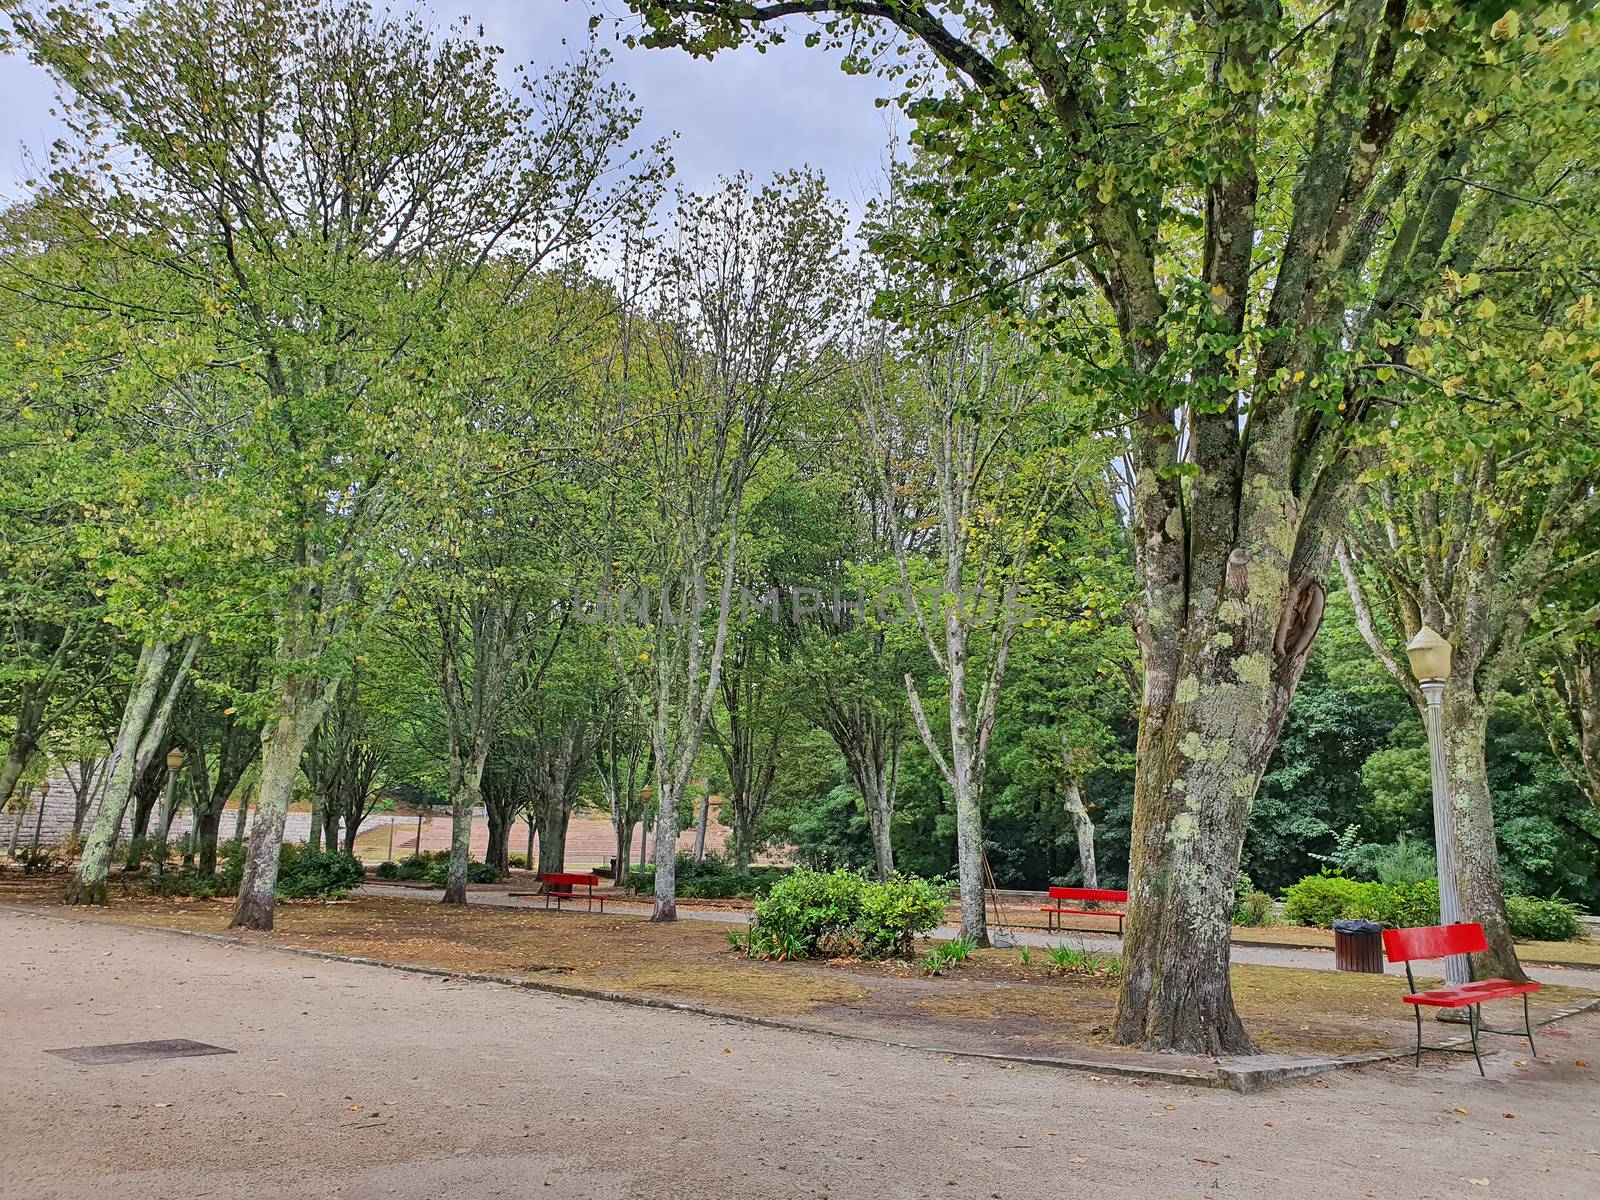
pixel 1430 663
pixel 175 758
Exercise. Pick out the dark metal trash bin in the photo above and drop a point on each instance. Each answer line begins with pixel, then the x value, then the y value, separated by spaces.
pixel 1358 946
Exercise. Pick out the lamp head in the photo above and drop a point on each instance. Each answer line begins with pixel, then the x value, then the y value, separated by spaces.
pixel 1429 654
pixel 175 758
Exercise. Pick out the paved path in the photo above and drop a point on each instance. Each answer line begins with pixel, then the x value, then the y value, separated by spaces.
pixel 1273 956
pixel 360 1082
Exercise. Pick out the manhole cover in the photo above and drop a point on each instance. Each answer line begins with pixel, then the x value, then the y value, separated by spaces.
pixel 120 1052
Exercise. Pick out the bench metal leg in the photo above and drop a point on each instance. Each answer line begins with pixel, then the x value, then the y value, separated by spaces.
pixel 1472 1023
pixel 1527 1024
pixel 1416 1009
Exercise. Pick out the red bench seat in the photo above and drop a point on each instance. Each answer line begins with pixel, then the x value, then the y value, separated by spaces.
pixel 1472 993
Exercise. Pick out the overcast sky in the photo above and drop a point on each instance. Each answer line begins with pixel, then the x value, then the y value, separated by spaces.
pixel 740 111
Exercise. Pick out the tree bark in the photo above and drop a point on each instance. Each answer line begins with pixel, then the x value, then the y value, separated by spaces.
pixel 1084 826
pixel 1466 721
pixel 465 780
pixel 554 817
pixel 89 884
pixel 284 739
pixel 206 824
pixel 1214 705
pixel 700 827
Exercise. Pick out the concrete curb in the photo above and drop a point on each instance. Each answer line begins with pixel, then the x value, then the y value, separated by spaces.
pixel 1238 1075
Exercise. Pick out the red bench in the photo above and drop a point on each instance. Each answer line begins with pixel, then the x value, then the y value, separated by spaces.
pixel 1085 896
pixel 561 885
pixel 1441 941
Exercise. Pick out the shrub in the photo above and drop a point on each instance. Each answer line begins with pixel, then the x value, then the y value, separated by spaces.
pixel 387 870
pixel 1256 909
pixel 437 872
pixel 1320 899
pixel 1535 920
pixel 695 882
pixel 519 861
pixel 325 874
pixel 1323 899
pixel 845 912
pixel 1405 862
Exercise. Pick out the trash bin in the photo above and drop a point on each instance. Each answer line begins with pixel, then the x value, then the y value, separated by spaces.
pixel 1357 946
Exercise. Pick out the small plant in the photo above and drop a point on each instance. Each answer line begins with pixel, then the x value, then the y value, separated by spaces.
pixel 933 963
pixel 1067 960
pixel 739 939
pixel 387 870
pixel 959 950
pixel 1024 956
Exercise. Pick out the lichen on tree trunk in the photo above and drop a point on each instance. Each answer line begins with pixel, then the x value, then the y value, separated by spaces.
pixel 1466 720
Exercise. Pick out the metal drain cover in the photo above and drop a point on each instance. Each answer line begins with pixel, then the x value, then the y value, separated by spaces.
pixel 121 1052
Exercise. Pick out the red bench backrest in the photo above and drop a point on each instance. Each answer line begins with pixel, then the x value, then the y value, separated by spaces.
pixel 1433 941
pixel 559 877
pixel 1066 893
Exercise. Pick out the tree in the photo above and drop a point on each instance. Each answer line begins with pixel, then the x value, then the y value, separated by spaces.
pixel 971 408
pixel 743 304
pixel 322 271
pixel 1233 214
pixel 1478 510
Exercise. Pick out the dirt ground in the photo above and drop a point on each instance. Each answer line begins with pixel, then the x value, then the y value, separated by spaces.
pixel 358 1082
pixel 992 1004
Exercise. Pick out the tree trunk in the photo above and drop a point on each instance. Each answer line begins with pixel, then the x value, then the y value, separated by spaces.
pixel 283 744
pixel 89 884
pixel 700 827
pixel 624 832
pixel 1466 720
pixel 666 855
pixel 873 763
pixel 1085 831
pixel 352 830
pixel 16 762
pixel 169 804
pixel 330 827
pixel 463 802
pixel 206 824
pixel 528 816
pixel 319 808
pixel 241 817
pixel 554 816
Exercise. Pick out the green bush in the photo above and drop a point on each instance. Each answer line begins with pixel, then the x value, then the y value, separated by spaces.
pixel 844 914
pixel 1535 920
pixel 437 872
pixel 325 874
pixel 386 870
pixel 1323 899
pixel 1256 909
pixel 696 882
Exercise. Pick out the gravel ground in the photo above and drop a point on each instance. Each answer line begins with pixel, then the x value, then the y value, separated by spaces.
pixel 357 1081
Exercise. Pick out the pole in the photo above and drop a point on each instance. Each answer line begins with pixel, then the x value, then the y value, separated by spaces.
pixel 391 839
pixel 1444 826
pixel 167 802
pixel 38 823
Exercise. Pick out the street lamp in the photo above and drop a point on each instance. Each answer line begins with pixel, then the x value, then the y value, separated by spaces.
pixel 1430 663
pixel 175 758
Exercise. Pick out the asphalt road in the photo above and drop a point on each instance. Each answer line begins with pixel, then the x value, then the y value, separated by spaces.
pixel 356 1081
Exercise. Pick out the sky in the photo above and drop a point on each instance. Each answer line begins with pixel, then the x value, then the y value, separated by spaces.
pixel 759 113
